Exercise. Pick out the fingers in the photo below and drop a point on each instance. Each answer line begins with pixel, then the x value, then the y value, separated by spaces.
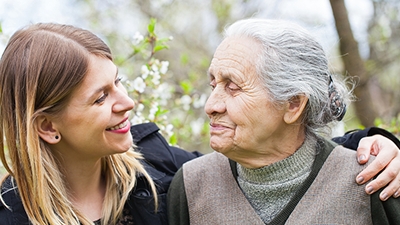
pixel 387 161
pixel 384 150
pixel 374 168
pixel 364 149
pixel 389 176
pixel 393 189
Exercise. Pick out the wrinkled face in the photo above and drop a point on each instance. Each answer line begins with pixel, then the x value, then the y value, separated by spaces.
pixel 242 120
pixel 95 120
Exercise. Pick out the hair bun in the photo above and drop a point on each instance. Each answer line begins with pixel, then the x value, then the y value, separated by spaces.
pixel 337 106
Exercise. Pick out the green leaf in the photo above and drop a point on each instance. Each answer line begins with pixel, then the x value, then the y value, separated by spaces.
pixel 152 25
pixel 161 112
pixel 186 86
pixel 184 58
pixel 378 122
pixel 163 40
pixel 173 140
pixel 160 47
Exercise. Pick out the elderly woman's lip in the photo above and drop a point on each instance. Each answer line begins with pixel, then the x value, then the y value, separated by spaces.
pixel 218 126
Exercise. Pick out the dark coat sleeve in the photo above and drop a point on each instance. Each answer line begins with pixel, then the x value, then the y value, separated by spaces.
pixel 157 152
pixel 161 161
pixel 385 212
pixel 352 138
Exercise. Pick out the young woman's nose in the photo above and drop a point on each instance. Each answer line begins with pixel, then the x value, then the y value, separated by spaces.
pixel 123 102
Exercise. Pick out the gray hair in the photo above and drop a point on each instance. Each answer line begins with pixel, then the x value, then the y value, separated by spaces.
pixel 293 63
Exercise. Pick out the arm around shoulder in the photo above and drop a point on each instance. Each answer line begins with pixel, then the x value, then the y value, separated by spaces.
pixel 353 137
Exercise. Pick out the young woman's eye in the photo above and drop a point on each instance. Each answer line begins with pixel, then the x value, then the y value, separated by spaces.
pixel 101 99
pixel 118 80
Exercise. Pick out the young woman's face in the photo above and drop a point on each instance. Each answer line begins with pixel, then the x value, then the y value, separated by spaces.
pixel 95 120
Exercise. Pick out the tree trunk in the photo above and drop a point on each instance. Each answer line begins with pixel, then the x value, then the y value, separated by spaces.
pixel 353 64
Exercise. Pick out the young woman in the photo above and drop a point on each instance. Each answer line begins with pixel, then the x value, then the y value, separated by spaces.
pixel 64 115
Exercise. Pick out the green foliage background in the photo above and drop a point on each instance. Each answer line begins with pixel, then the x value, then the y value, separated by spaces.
pixel 164 64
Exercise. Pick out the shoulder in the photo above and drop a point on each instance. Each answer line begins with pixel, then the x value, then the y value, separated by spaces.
pixel 342 157
pixel 204 163
pixel 209 168
pixel 11 210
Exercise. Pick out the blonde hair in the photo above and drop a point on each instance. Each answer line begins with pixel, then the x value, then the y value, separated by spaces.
pixel 40 68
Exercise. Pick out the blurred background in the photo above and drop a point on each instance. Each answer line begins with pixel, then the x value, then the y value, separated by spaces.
pixel 360 37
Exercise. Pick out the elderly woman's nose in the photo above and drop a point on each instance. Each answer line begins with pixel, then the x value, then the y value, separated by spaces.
pixel 215 104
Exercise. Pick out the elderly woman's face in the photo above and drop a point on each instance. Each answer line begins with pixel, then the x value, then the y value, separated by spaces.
pixel 242 119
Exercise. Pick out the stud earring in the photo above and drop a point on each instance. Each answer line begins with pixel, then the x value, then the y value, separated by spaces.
pixel 57 137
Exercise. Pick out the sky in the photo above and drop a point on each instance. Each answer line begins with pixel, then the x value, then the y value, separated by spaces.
pixel 17 13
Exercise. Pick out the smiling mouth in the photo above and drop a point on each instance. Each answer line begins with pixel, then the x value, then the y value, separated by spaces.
pixel 119 126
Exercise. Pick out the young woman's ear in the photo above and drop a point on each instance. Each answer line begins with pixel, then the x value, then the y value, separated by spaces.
pixel 295 108
pixel 46 130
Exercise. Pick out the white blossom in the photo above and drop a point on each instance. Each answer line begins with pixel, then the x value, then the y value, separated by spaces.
pixel 200 102
pixel 136 120
pixel 164 67
pixel 185 101
pixel 137 38
pixel 163 92
pixel 169 129
pixel 156 78
pixel 128 85
pixel 151 117
pixel 154 67
pixel 139 107
pixel 153 111
pixel 139 114
pixel 139 84
pixel 144 71
pixel 197 126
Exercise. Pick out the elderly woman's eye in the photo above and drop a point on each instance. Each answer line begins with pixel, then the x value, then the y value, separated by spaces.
pixel 212 85
pixel 233 87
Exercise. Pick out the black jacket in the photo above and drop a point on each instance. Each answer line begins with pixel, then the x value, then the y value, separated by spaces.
pixel 161 161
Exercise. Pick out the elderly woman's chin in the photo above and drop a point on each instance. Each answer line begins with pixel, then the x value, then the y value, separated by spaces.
pixel 220 145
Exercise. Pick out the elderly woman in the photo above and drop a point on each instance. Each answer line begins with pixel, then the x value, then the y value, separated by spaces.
pixel 272 99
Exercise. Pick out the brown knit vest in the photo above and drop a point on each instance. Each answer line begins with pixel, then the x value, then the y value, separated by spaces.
pixel 214 197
